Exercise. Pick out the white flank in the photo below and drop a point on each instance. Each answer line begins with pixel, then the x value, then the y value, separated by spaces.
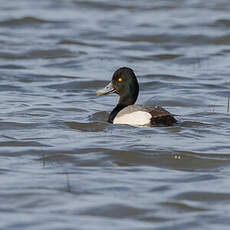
pixel 138 118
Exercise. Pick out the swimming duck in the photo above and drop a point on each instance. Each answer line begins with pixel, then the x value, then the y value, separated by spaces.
pixel 124 83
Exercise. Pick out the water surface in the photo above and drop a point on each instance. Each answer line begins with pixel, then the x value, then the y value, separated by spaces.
pixel 63 166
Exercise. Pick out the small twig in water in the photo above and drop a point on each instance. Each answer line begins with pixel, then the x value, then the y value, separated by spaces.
pixel 228 106
pixel 214 106
pixel 198 60
pixel 68 186
pixel 44 160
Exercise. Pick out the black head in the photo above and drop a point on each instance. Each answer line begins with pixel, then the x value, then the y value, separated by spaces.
pixel 124 83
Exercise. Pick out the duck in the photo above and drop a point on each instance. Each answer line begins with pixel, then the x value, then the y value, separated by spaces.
pixel 124 83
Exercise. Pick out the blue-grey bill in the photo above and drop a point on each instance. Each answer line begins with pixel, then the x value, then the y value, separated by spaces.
pixel 107 90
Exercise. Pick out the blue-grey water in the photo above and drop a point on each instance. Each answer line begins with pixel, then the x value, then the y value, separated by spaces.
pixel 63 166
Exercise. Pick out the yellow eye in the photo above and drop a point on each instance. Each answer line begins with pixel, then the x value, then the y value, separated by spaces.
pixel 120 79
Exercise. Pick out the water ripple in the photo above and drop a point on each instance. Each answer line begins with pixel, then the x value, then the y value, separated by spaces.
pixel 62 160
